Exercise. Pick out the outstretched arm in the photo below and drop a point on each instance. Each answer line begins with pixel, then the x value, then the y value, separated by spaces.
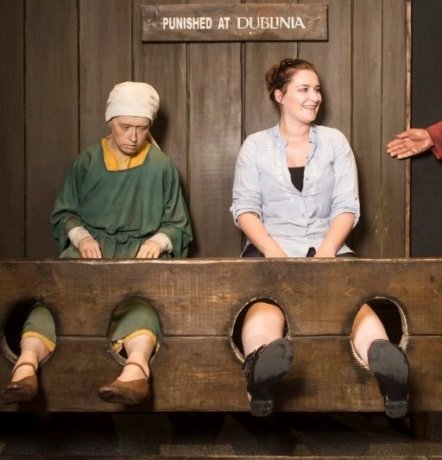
pixel 410 143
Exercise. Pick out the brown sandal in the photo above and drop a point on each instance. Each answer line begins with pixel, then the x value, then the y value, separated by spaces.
pixel 128 393
pixel 22 390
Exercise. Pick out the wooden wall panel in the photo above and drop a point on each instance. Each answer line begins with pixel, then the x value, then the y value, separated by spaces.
pixel 212 95
pixel 12 132
pixel 259 111
pixel 214 141
pixel 333 62
pixel 105 47
pixel 367 124
pixel 51 112
pixel 165 67
pixel 394 97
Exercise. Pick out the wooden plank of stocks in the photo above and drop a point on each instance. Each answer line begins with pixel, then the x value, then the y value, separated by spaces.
pixel 197 300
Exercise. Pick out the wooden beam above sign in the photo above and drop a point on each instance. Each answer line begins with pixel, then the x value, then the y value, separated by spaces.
pixel 234 22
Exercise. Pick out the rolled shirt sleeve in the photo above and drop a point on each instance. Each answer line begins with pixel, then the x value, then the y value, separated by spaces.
pixel 247 195
pixel 345 193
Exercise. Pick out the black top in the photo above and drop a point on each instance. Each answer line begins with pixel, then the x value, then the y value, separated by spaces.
pixel 297 176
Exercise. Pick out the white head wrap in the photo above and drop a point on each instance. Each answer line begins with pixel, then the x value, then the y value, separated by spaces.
pixel 132 99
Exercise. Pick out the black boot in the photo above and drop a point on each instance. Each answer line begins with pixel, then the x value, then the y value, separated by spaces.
pixel 264 368
pixel 390 366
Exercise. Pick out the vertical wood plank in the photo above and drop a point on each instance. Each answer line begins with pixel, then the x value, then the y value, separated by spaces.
pixel 259 112
pixel 105 47
pixel 51 112
pixel 12 133
pixel 164 66
pixel 394 78
pixel 333 62
pixel 215 138
pixel 367 71
pixel 214 141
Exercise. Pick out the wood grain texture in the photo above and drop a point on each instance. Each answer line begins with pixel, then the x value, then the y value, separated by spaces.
pixel 367 124
pixel 246 22
pixel 186 377
pixel 12 132
pixel 202 297
pixel 165 66
pixel 394 98
pixel 211 96
pixel 214 142
pixel 105 47
pixel 51 112
pixel 234 457
pixel 259 111
pixel 333 62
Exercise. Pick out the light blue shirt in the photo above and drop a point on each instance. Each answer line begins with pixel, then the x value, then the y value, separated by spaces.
pixel 296 220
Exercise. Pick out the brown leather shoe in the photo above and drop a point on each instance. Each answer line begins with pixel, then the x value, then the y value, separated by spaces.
pixel 129 393
pixel 22 390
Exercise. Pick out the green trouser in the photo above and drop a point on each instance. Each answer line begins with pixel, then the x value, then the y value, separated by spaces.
pixel 132 315
pixel 40 322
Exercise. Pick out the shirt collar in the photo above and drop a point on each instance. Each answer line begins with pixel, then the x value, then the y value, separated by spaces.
pixel 281 142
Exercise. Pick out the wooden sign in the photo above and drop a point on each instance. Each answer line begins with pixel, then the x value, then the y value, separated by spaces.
pixel 234 22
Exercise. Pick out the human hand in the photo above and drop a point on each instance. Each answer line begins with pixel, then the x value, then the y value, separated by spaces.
pixel 89 248
pixel 410 143
pixel 323 252
pixel 275 251
pixel 149 250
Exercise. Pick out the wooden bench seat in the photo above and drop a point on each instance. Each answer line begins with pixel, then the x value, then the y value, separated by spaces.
pixel 198 300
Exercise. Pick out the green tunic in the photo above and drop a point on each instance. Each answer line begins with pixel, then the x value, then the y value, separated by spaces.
pixel 121 209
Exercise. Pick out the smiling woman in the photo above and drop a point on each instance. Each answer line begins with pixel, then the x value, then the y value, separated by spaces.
pixel 295 194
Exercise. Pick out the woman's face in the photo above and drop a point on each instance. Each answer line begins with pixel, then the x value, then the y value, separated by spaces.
pixel 302 97
pixel 129 133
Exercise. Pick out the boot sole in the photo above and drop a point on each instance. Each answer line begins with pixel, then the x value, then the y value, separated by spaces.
pixel 390 367
pixel 273 363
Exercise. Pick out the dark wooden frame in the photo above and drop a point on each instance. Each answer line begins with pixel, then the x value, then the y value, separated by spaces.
pixel 196 368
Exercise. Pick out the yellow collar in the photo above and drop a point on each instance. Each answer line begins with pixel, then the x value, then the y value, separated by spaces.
pixel 116 161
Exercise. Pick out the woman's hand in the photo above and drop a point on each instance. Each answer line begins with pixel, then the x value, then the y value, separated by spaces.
pixel 149 250
pixel 322 252
pixel 89 248
pixel 275 251
pixel 336 235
